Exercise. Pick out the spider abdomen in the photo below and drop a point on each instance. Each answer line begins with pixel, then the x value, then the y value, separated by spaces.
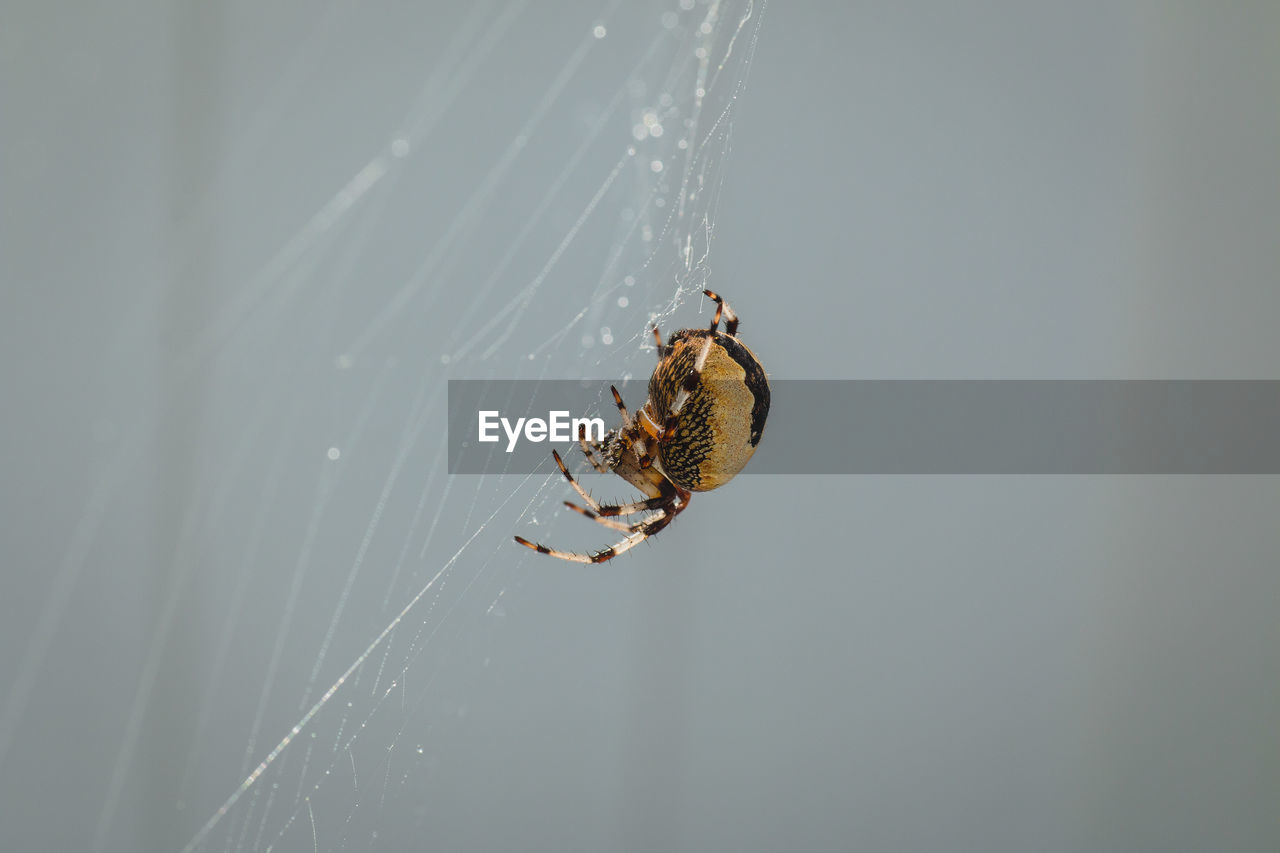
pixel 723 416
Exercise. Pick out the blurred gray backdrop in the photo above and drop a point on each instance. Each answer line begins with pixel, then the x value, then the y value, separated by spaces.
pixel 244 245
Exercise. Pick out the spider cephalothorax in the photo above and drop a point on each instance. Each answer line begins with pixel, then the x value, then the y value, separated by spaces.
pixel 708 400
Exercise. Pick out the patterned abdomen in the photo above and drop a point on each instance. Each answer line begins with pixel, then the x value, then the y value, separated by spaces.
pixel 722 420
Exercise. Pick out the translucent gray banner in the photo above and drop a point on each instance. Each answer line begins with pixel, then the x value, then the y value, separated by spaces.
pixel 919 427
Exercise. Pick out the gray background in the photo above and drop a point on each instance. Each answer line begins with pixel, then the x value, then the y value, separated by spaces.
pixel 193 315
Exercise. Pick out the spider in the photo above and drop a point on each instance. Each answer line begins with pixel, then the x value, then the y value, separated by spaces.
pixel 708 400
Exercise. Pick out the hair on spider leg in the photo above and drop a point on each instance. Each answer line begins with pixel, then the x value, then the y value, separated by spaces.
pixel 703 419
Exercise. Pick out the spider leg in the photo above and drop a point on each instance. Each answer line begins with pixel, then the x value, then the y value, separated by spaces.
pixel 591 502
pixel 600 467
pixel 610 510
pixel 607 510
pixel 650 428
pixel 589 449
pixel 647 423
pixel 646 530
pixel 607 521
pixel 668 500
pixel 657 339
pixel 552 552
pixel 730 318
pixel 622 407
pixel 637 441
pixel 643 531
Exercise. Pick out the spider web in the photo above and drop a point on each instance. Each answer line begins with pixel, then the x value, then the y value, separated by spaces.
pixel 246 607
pixel 308 675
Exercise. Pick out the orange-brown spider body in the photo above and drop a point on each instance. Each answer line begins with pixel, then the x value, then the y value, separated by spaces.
pixel 708 401
pixel 721 421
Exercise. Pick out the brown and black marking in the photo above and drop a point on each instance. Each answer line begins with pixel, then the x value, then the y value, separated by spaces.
pixel 756 381
pixel 712 418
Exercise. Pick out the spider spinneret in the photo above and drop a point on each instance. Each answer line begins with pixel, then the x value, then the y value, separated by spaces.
pixel 708 400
